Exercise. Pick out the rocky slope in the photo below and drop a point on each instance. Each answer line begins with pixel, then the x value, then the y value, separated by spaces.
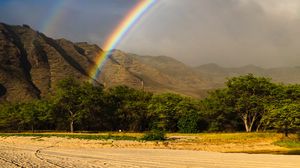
pixel 161 74
pixel 31 64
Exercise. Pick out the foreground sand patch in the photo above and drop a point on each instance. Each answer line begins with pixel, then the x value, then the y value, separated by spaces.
pixel 62 152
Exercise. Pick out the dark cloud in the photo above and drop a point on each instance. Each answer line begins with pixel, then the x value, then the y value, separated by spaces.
pixel 228 32
pixel 77 20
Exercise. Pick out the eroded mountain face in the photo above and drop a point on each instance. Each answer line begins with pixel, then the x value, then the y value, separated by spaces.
pixel 31 64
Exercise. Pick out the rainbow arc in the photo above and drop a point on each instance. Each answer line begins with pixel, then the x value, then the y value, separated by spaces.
pixel 118 33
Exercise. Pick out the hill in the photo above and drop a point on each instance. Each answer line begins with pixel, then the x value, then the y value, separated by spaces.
pixel 31 64
pixel 217 75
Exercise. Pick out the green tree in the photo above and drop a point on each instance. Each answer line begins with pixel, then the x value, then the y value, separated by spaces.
pixel 10 118
pixel 292 92
pixel 138 108
pixel 164 112
pixel 282 110
pixel 35 113
pixel 191 120
pixel 29 114
pixel 92 102
pixel 286 117
pixel 248 95
pixel 219 111
pixel 130 106
pixel 68 99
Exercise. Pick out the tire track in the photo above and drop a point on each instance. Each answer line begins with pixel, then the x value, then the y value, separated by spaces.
pixel 59 154
pixel 11 162
pixel 114 161
pixel 38 154
pixel 116 158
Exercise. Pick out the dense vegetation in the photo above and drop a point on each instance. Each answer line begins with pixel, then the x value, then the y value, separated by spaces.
pixel 246 103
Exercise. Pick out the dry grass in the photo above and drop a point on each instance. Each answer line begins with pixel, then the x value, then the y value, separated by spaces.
pixel 218 142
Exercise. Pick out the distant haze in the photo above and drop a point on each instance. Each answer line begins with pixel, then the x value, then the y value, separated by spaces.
pixel 226 32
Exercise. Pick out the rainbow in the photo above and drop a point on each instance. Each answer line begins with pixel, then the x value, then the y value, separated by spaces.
pixel 119 32
pixel 54 18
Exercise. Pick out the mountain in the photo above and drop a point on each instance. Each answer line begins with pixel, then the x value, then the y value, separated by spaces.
pixel 163 74
pixel 31 64
pixel 217 75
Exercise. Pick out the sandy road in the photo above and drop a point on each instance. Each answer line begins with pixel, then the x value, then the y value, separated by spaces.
pixel 54 153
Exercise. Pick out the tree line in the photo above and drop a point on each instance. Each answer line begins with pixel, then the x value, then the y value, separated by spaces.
pixel 247 103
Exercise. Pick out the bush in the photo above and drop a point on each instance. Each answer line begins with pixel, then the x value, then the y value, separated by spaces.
pixel 188 123
pixel 155 135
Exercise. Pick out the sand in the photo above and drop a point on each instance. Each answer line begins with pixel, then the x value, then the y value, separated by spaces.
pixel 62 152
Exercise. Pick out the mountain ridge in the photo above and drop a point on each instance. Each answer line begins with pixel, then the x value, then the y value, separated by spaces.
pixel 287 75
pixel 31 64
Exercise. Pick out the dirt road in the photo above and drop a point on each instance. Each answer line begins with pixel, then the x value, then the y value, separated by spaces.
pixel 26 152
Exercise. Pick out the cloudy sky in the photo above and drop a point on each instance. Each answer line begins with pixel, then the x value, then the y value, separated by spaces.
pixel 227 32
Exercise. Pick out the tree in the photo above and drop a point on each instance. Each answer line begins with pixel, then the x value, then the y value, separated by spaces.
pixel 92 101
pixel 278 94
pixel 130 106
pixel 29 115
pixel 68 98
pixel 138 108
pixel 248 94
pixel 286 117
pixel 190 119
pixel 292 92
pixel 219 112
pixel 283 98
pixel 163 111
pixel 35 113
pixel 10 117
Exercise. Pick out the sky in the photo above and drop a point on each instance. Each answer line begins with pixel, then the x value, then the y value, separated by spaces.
pixel 230 33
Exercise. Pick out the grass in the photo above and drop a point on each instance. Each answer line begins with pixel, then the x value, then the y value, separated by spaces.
pixel 288 143
pixel 225 138
pixel 263 143
pixel 155 135
pixel 292 143
pixel 207 138
pixel 106 136
pixel 273 143
pixel 88 136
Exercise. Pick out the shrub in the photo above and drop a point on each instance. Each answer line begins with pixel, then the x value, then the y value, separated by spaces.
pixel 188 123
pixel 155 135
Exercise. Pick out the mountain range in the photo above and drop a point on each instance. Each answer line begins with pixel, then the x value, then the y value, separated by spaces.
pixel 31 64
pixel 218 75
